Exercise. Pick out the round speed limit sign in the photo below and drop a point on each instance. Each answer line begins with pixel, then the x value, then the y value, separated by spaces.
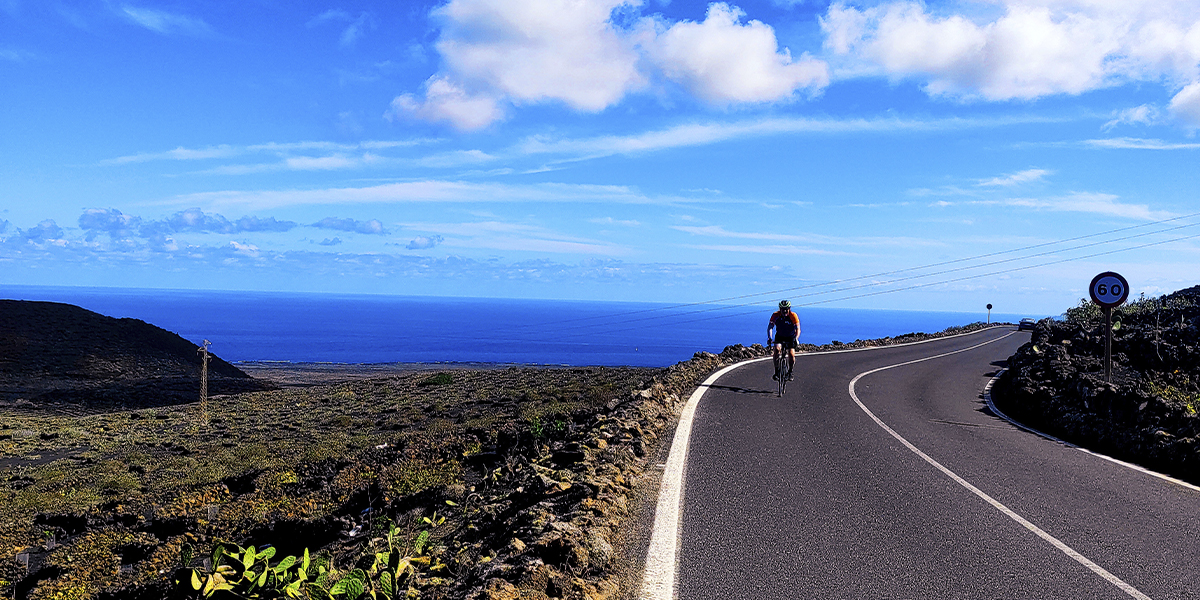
pixel 1109 289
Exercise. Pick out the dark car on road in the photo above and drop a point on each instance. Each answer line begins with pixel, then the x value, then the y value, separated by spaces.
pixel 1026 324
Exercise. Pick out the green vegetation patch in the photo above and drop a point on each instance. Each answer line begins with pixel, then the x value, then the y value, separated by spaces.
pixel 439 379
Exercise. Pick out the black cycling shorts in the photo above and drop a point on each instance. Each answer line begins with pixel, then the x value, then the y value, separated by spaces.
pixel 788 343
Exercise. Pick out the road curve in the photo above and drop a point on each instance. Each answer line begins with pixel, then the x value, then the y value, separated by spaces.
pixel 904 485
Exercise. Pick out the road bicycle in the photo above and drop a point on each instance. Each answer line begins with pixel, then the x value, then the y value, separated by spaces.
pixel 781 367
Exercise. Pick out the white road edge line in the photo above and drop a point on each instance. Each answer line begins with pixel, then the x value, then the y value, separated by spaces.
pixel 662 560
pixel 658 583
pixel 987 397
pixel 1065 549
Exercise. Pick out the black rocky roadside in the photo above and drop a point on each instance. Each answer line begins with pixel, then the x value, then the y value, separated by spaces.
pixel 1147 413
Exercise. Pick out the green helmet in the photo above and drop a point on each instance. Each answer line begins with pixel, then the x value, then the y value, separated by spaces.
pixel 784 304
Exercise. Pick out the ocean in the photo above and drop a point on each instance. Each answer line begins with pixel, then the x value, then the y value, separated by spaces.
pixel 337 328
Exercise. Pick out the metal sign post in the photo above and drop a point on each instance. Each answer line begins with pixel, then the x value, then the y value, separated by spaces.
pixel 1109 290
pixel 1108 344
pixel 989 314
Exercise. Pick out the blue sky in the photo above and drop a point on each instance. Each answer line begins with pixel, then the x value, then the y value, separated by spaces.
pixel 658 151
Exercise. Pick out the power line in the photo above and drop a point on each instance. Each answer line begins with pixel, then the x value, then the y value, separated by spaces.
pixel 578 326
pixel 933 283
pixel 918 268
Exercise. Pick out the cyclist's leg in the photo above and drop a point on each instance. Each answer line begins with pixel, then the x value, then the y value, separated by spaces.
pixel 791 360
pixel 776 350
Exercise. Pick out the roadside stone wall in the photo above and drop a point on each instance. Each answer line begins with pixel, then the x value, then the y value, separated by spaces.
pixel 1148 412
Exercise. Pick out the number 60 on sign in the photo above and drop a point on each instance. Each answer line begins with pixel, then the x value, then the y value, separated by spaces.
pixel 1109 289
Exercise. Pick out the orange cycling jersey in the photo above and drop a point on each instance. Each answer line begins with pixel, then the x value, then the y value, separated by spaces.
pixel 786 326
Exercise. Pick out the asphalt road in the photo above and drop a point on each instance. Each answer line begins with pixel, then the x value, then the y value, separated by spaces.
pixel 807 496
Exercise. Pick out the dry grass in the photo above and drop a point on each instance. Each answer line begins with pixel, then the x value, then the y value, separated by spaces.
pixel 104 499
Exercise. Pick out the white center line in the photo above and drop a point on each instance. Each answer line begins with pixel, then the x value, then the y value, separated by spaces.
pixel 1081 559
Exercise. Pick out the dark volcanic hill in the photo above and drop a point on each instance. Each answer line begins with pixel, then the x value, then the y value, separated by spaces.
pixel 52 353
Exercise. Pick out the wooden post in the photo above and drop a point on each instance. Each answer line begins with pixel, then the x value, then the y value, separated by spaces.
pixel 204 382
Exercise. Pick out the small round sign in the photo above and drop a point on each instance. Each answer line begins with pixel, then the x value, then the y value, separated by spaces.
pixel 1109 289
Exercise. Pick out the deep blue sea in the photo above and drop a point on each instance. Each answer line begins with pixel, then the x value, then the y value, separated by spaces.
pixel 295 327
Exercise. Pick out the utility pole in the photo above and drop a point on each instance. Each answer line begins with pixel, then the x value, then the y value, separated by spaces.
pixel 204 358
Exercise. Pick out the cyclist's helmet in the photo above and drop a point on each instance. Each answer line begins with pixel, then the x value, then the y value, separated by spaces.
pixel 784 305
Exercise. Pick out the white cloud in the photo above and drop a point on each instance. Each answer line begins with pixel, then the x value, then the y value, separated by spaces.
pixel 425 242
pixel 277 149
pixel 325 163
pixel 808 238
pixel 773 249
pixel 245 249
pixel 498 53
pixel 372 227
pixel 1034 48
pixel 1185 106
pixel 447 101
pixel 539 50
pixel 1088 202
pixel 1139 115
pixel 612 221
pixel 1017 178
pixel 427 191
pixel 1140 144
pixel 723 61
pixel 166 23
pixel 699 134
pixel 355 28
pixel 500 235
pixel 718 231
pixel 181 153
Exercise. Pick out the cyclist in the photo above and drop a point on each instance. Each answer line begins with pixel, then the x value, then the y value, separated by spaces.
pixel 787 328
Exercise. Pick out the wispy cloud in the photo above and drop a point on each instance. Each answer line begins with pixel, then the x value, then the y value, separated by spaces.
pixel 425 242
pixel 721 232
pixel 770 249
pixel 1093 203
pixel 355 28
pixel 284 150
pixel 701 134
pixel 518 237
pixel 166 23
pixel 429 191
pixel 1140 144
pixel 612 221
pixel 11 55
pixel 372 227
pixel 181 153
pixel 1017 178
pixel 557 151
pixel 1145 114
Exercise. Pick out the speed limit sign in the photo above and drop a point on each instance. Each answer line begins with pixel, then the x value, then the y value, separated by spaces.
pixel 1109 289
